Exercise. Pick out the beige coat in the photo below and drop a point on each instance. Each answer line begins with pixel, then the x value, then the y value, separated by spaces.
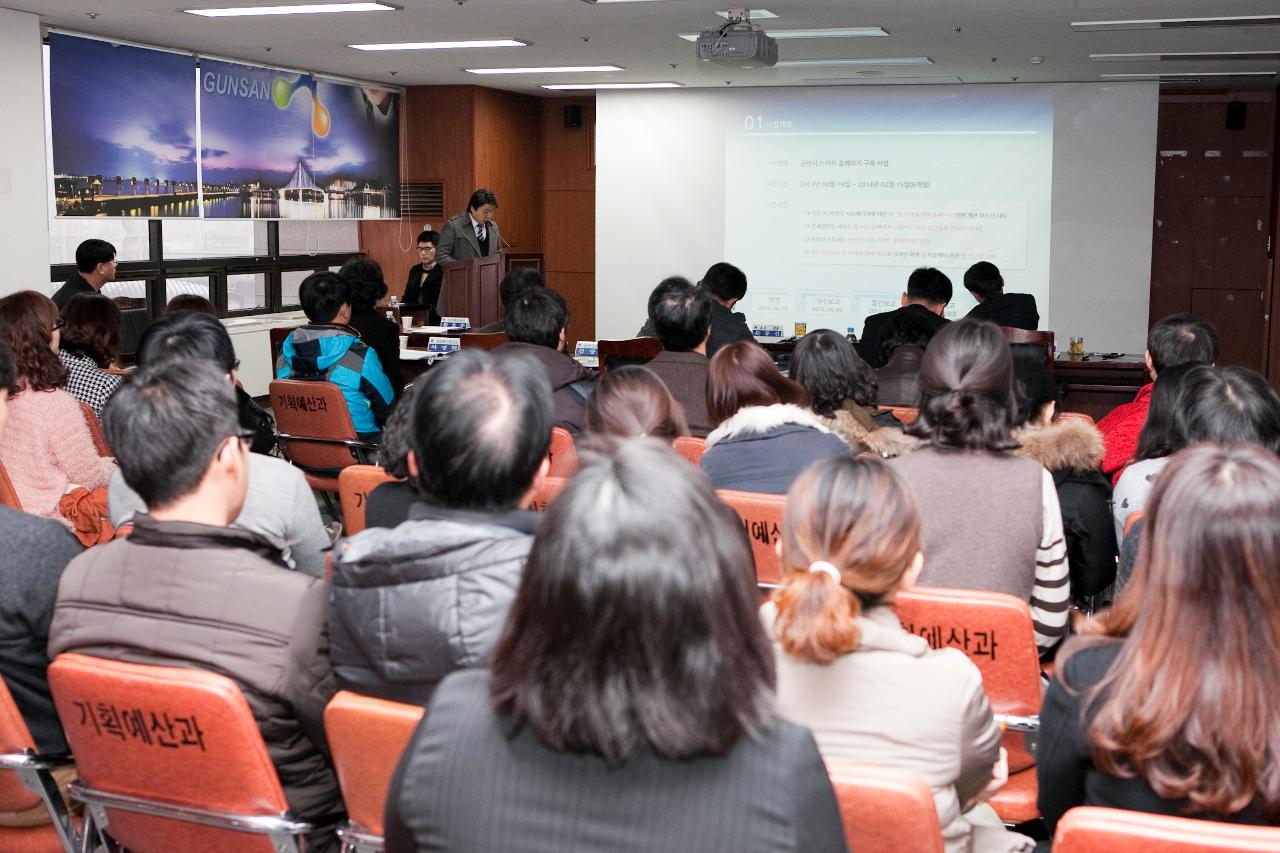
pixel 894 702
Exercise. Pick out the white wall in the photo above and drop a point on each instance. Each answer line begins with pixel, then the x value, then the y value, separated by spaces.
pixel 24 225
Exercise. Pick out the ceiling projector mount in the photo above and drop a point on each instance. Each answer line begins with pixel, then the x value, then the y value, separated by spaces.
pixel 738 42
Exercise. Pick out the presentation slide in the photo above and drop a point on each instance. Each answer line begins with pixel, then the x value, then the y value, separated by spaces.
pixel 828 198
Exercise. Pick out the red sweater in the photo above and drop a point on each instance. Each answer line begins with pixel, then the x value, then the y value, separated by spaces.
pixel 1120 431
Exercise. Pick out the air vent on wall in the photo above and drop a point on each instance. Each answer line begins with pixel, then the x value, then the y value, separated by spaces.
pixel 422 201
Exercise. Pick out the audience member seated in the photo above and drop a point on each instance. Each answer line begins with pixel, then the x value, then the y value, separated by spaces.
pixel 991 518
pixel 680 315
pixel 1014 310
pixel 870 691
pixel 422 287
pixel 190 302
pixel 1177 339
pixel 1168 704
pixel 327 349
pixel 187 589
pixel 1071 450
pixel 381 335
pixel 38 550
pixel 95 266
pixel 632 401
pixel 279 504
pixel 46 447
pixel 515 282
pixel 1157 441
pixel 765 434
pixel 903 341
pixel 90 342
pixel 927 295
pixel 536 325
pixel 842 392
pixel 411 604
pixel 388 504
pixel 1229 405
pixel 630 702
pixel 727 285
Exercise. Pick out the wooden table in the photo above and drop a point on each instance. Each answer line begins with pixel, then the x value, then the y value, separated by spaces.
pixel 1096 385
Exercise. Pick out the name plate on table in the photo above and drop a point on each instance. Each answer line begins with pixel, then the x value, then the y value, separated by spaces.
pixel 587 353
pixel 769 333
pixel 455 323
pixel 442 346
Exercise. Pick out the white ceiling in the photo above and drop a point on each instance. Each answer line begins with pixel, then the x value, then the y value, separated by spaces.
pixel 978 41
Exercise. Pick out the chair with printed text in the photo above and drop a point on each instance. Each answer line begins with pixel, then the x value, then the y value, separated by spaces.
pixel 995 631
pixel 316 433
pixel 169 759
pixel 367 737
pixel 355 482
pixel 761 515
pixel 886 810
pixel 27 782
pixel 1089 829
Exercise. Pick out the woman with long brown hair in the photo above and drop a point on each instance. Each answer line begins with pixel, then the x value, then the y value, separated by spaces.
pixel 1170 703
pixel 631 401
pixel 870 691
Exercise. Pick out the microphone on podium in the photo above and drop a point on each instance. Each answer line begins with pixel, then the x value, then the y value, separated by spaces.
pixel 494 223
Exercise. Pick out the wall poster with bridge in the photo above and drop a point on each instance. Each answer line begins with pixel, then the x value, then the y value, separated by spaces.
pixel 274 144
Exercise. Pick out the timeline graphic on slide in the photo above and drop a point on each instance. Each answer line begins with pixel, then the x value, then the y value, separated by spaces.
pixel 833 199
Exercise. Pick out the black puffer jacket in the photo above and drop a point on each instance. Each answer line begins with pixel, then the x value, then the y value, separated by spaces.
pixel 411 604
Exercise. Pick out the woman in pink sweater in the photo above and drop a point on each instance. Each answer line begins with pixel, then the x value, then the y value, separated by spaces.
pixel 46 446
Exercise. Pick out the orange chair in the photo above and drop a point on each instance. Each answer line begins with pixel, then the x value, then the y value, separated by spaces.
pixel 367 737
pixel 169 759
pixel 762 516
pixel 995 631
pixel 562 453
pixel 95 430
pixel 482 340
pixel 1132 519
pixel 277 337
pixel 691 447
pixel 26 781
pixel 8 494
pixel 546 492
pixel 1088 829
pixel 614 354
pixel 1026 337
pixel 315 430
pixel 886 810
pixel 906 414
pixel 355 482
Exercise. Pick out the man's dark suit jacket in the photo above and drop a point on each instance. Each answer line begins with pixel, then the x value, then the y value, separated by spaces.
pixel 418 292
pixel 869 343
pixel 1015 310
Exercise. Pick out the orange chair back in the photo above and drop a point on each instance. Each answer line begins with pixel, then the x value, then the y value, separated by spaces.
pixel 546 492
pixel 563 453
pixel 95 430
pixel 1132 519
pixel 630 351
pixel 1089 829
pixel 314 410
pixel 1032 338
pixel 691 447
pixel 355 482
pixel 482 340
pixel 8 494
pixel 367 737
pixel 906 414
pixel 277 337
pixel 181 737
pixel 15 738
pixel 886 810
pixel 762 516
pixel 16 741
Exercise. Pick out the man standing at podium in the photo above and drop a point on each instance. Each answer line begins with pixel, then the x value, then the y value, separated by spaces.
pixel 469 235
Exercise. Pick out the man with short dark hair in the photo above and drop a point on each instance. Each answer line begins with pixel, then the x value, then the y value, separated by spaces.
pixel 422 287
pixel 680 315
pixel 514 283
pixel 187 589
pixel 536 324
pixel 328 350
pixel 1177 339
pixel 928 292
pixel 95 265
pixel 727 285
pixel 1015 310
pixel 471 234
pixel 411 604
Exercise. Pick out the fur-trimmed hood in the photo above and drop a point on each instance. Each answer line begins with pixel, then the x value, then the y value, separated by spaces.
pixel 1067 444
pixel 762 419
pixel 885 442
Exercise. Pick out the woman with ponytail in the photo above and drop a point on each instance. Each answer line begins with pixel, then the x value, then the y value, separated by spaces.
pixel 991 519
pixel 870 691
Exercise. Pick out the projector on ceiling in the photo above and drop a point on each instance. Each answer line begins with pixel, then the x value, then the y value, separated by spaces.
pixel 741 47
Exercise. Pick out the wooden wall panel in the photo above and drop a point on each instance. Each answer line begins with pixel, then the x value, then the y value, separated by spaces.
pixel 1239 315
pixel 569 198
pixel 507 142
pixel 571 239
pixel 568 152
pixel 579 290
pixel 440 124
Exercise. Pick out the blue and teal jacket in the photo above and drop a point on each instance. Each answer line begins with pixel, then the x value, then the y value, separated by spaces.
pixel 325 353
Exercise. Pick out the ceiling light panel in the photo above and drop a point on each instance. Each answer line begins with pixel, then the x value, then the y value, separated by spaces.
pixel 293 9
pixel 829 33
pixel 577 87
pixel 1185 74
pixel 550 69
pixel 441 45
pixel 1177 23
pixel 1194 56
pixel 756 14
pixel 847 63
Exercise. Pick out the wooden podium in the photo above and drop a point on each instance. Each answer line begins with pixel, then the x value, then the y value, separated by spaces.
pixel 471 287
